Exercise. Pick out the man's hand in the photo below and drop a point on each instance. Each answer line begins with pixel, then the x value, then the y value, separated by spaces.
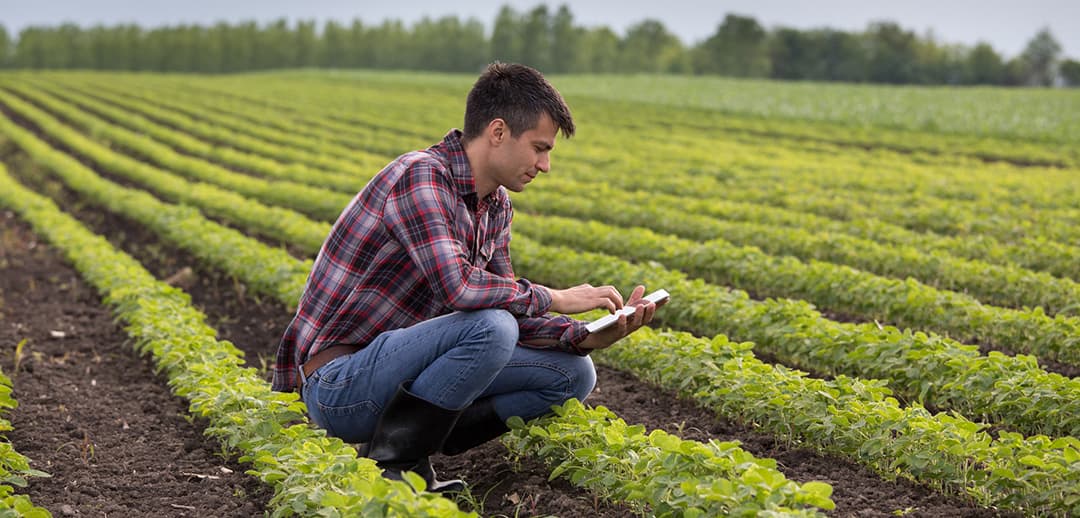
pixel 585 297
pixel 626 324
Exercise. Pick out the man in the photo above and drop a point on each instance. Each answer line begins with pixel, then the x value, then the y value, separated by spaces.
pixel 412 334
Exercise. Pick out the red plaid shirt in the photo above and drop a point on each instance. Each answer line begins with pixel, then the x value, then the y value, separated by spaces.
pixel 414 244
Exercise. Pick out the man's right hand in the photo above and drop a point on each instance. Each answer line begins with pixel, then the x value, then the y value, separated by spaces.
pixel 585 297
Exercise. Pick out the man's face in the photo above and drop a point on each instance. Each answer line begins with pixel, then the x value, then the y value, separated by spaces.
pixel 519 158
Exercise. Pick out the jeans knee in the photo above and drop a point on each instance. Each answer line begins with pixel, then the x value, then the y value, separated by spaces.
pixel 501 331
pixel 583 377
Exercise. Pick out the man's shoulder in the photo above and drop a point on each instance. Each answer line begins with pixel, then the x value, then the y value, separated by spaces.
pixel 425 159
pixel 420 165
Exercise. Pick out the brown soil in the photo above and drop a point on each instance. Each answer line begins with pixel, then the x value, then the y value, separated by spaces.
pixel 92 413
pixel 254 325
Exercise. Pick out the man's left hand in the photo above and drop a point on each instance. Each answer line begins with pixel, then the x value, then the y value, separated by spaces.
pixel 627 324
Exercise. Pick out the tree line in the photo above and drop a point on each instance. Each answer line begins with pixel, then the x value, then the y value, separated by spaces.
pixel 550 41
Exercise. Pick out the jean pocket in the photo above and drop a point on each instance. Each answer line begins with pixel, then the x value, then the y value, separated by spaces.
pixel 350 421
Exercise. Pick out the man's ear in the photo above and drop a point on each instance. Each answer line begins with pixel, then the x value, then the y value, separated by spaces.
pixel 497 131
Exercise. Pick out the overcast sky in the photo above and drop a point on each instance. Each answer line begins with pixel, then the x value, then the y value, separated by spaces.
pixel 1005 24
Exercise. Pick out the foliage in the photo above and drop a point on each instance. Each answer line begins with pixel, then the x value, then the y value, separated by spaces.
pixel 884 52
pixel 659 474
pixel 311 474
pixel 14 467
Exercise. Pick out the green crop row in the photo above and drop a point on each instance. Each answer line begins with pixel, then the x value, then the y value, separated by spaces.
pixel 293 195
pixel 987 281
pixel 311 474
pixel 941 214
pixel 279 223
pixel 694 137
pixel 1012 391
pixel 520 242
pixel 327 152
pixel 779 276
pixel 1020 330
pixel 14 466
pixel 176 138
pixel 272 148
pixel 265 269
pixel 1031 289
pixel 659 474
pixel 198 233
pixel 855 418
pixel 1024 416
pixel 1008 286
pixel 858 420
pixel 341 135
pixel 945 214
pixel 966 319
pixel 1022 258
pixel 629 101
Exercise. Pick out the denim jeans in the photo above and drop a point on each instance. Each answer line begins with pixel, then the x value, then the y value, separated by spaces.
pixel 453 360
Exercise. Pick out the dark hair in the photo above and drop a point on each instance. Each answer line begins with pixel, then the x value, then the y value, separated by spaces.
pixel 517 94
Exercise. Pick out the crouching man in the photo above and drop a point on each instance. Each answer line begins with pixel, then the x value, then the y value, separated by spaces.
pixel 413 335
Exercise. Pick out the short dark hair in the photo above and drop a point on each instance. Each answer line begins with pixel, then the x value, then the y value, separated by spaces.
pixel 517 94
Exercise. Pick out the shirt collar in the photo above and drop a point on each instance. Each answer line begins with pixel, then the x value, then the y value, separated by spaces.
pixel 459 163
pixel 460 169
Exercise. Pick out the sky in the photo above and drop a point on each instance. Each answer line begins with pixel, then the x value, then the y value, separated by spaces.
pixel 1006 24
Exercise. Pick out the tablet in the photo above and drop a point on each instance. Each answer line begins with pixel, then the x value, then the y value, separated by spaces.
pixel 607 321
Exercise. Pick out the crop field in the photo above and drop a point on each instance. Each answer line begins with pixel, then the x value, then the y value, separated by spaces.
pixel 875 296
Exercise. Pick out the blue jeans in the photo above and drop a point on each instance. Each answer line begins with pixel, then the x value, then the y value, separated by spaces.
pixel 453 359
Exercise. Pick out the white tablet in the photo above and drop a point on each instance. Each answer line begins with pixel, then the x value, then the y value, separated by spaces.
pixel 607 321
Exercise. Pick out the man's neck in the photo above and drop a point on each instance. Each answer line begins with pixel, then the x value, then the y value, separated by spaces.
pixel 476 152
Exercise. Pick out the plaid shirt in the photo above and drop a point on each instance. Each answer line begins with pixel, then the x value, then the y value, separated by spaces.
pixel 414 244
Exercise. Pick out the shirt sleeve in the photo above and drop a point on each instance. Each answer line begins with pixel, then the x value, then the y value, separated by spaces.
pixel 568 331
pixel 419 214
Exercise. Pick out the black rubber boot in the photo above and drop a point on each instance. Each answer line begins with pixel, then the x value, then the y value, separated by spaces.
pixel 408 432
pixel 478 424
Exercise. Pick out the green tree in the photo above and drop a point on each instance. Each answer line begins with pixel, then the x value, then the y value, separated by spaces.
pixel 845 56
pixel 739 48
pixel 566 42
pixel 306 44
pixel 506 36
pixel 391 45
pixel 1070 72
pixel 794 54
pixel 1040 58
pixel 893 54
pixel 649 48
pixel 6 49
pixel 334 50
pixel 361 50
pixel 600 50
pixel 984 66
pixel 448 45
pixel 536 39
pixel 1016 72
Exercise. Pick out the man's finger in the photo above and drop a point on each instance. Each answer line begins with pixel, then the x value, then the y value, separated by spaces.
pixel 637 294
pixel 614 295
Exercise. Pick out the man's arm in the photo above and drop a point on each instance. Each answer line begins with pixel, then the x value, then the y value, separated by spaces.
pixel 419 214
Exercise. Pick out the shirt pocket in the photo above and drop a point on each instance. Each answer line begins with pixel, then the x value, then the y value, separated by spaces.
pixel 483 256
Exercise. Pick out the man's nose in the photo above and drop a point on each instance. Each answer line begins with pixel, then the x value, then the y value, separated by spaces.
pixel 544 164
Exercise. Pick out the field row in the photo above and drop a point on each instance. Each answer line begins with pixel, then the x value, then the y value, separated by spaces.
pixel 208 236
pixel 905 303
pixel 742 164
pixel 311 472
pixel 967 220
